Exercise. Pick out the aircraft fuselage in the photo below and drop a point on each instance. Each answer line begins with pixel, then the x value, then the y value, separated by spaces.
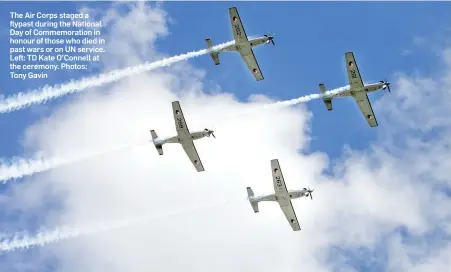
pixel 280 196
pixel 246 45
pixel 180 139
pixel 372 87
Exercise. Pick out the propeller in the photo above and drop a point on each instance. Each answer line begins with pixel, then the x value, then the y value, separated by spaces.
pixel 270 38
pixel 387 85
pixel 210 132
pixel 309 192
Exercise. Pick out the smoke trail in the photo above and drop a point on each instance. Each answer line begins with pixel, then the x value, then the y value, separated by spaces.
pixel 20 167
pixel 306 98
pixel 45 237
pixel 22 100
pixel 254 109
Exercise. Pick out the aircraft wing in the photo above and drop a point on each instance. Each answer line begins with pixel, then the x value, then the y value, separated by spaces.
pixel 284 202
pixel 288 210
pixel 251 62
pixel 191 151
pixel 277 177
pixel 239 34
pixel 180 123
pixel 354 77
pixel 365 107
pixel 237 27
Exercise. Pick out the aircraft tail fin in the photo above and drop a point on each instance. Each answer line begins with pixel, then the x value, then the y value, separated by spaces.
pixel 214 55
pixel 159 147
pixel 254 203
pixel 327 101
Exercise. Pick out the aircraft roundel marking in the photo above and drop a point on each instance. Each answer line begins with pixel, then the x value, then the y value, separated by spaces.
pixel 276 170
pixel 293 221
pixel 196 162
pixel 255 70
pixel 234 19
pixel 350 63
pixel 177 112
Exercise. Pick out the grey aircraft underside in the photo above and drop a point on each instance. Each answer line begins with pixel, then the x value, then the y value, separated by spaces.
pixel 184 137
pixel 281 195
pixel 242 44
pixel 357 89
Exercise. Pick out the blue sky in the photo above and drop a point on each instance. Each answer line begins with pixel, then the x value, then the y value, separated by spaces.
pixel 311 39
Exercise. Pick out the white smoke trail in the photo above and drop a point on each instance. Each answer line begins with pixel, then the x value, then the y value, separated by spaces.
pixel 306 98
pixel 44 237
pixel 20 167
pixel 254 109
pixel 22 100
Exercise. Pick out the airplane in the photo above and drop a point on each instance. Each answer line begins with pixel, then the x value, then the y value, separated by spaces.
pixel 242 44
pixel 357 89
pixel 184 137
pixel 282 196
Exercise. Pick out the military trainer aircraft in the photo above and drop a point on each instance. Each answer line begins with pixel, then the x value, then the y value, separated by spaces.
pixel 282 195
pixel 184 137
pixel 242 44
pixel 357 89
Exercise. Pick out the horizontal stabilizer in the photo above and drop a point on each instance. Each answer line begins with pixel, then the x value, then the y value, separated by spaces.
pixel 159 147
pixel 250 193
pixel 254 204
pixel 327 100
pixel 214 55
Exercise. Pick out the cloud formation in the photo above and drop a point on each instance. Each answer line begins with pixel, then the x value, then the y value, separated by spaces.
pixel 388 199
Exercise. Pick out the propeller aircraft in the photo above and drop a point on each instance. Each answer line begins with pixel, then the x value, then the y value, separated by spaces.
pixel 184 137
pixel 281 195
pixel 242 44
pixel 357 89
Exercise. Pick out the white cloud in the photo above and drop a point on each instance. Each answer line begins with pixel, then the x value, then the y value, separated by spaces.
pixel 371 194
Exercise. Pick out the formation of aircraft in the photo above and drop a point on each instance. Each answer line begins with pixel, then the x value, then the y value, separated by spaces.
pixel 242 44
pixel 357 89
pixel 281 195
pixel 184 137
